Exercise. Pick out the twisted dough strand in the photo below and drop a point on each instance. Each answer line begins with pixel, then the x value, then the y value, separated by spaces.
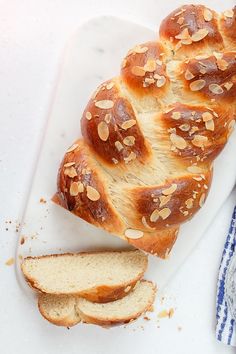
pixel 150 135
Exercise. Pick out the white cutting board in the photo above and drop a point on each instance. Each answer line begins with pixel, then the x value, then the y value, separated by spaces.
pixel 92 56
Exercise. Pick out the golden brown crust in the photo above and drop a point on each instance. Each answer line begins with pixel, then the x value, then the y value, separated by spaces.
pixel 113 132
pixel 158 126
pixel 101 294
pixel 190 30
pixel 144 70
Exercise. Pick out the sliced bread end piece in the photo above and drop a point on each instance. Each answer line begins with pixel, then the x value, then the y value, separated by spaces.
pixel 96 276
pixel 59 309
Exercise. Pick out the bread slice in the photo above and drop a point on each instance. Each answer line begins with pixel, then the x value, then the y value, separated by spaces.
pixel 96 276
pixel 67 310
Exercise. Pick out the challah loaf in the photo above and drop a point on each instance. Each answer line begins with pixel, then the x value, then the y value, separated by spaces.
pixel 65 310
pixel 97 276
pixel 150 135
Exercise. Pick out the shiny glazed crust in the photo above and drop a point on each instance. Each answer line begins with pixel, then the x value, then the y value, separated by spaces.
pixel 150 135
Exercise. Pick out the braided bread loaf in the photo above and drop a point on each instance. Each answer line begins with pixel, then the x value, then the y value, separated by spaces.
pixel 150 135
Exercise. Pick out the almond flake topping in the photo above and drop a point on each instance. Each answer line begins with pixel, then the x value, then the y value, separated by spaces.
pixel 69 164
pixel 164 200
pixel 150 66
pixel 119 146
pixel 176 115
pixel 110 85
pixel 107 118
pixel 144 221
pixel 228 85
pixel 88 115
pixel 73 147
pixel 188 75
pixel 180 20
pixel 207 15
pixel 170 190
pixel 210 125
pixel 229 13
pixel 199 35
pixel 200 141
pixel 129 140
pixel 161 81
pixel 138 71
pixel 92 194
pixel 164 213
pixel 133 234
pixel 70 172
pixel 189 203
pixel 154 216
pixel 202 200
pixel 140 50
pixel 184 127
pixel 103 131
pixel 222 64
pixel 76 188
pixel 216 89
pixel 132 156
pixel 178 141
pixel 206 116
pixel 183 35
pixel 128 124
pixel 197 85
pixel 104 104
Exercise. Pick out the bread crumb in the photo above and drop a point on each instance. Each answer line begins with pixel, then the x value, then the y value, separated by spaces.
pixel 146 318
pixel 10 262
pixel 166 313
pixel 42 201
pixel 22 240
pixel 179 328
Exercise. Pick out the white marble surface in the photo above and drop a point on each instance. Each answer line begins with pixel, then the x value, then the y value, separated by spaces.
pixel 32 39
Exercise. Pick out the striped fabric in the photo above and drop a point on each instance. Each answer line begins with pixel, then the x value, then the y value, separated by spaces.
pixel 226 290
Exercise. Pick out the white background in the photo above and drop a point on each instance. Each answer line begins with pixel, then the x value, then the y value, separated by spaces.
pixel 33 35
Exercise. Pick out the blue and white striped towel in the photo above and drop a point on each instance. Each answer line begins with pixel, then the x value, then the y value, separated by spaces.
pixel 226 290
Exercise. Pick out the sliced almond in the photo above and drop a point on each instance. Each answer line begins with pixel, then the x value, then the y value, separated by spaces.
pixel 129 140
pixel 70 172
pixel 206 116
pixel 183 35
pixel 199 35
pixel 119 146
pixel 164 200
pixel 200 141
pixel 140 50
pixel 72 148
pixel 108 118
pixel 144 221
pixel 197 85
pixel 115 161
pixel 216 89
pixel 194 169
pixel 128 124
pixel 104 104
pixel 202 200
pixel 88 115
pixel 228 85
pixel 133 234
pixel 229 13
pixel 132 156
pixel 189 203
pixel 184 127
pixel 159 62
pixel 188 75
pixel 164 213
pixel 180 20
pixel 170 190
pixel 161 81
pixel 210 125
pixel 176 115
pixel 92 194
pixel 178 141
pixel 222 64
pixel 69 164
pixel 150 65
pixel 138 71
pixel 74 190
pixel 207 14
pixel 154 216
pixel 185 213
pixel 110 85
pixel 103 131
